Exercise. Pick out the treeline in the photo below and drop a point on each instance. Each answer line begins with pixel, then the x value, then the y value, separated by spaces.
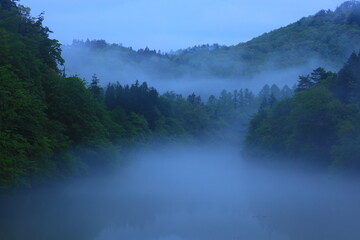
pixel 319 127
pixel 142 112
pixel 102 57
pixel 53 126
pixel 329 36
pixel 326 38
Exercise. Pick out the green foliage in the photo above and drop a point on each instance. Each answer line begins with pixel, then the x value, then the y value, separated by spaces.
pixel 53 126
pixel 43 116
pixel 347 84
pixel 318 127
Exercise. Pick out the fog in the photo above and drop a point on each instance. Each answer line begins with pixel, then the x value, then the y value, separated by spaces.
pixel 113 65
pixel 190 192
pixel 185 191
pixel 179 190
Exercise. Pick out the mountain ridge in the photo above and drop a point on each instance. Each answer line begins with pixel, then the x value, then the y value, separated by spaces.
pixel 326 39
pixel 311 35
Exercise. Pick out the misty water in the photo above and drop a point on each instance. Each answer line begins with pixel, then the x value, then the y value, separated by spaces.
pixel 174 192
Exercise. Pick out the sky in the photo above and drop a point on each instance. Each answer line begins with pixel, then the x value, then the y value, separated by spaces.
pixel 170 24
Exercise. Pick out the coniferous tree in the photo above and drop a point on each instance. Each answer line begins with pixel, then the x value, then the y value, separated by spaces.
pixel 318 75
pixel 286 92
pixel 304 83
pixel 95 88
pixel 347 84
pixel 241 98
pixel 272 100
pixel 248 97
pixel 265 92
pixel 275 91
pixel 193 99
pixel 110 97
pixel 264 104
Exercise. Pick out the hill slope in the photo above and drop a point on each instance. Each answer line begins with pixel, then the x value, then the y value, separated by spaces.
pixel 329 37
pixel 318 127
pixel 326 38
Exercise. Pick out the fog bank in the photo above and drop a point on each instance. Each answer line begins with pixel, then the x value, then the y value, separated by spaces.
pixel 187 192
pixel 113 64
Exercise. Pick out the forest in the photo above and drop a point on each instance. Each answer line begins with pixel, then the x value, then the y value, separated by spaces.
pixel 54 125
pixel 318 127
pixel 258 140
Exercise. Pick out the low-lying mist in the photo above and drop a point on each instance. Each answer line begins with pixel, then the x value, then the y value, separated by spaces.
pixel 182 191
pixel 114 64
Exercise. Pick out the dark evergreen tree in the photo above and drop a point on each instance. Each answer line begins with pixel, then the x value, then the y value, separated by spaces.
pixel 275 91
pixel 265 92
pixel 347 83
pixel 193 99
pixel 272 100
pixel 248 97
pixel 286 92
pixel 264 104
pixel 95 88
pixel 110 97
pixel 241 98
pixel 304 83
pixel 318 75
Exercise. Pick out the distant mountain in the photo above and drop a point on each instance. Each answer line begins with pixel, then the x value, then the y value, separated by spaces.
pixel 326 38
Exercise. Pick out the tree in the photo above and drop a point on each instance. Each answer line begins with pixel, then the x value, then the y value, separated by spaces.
pixel 286 92
pixel 240 98
pixel 275 91
pixel 95 89
pixel 318 128
pixel 354 17
pixel 264 104
pixel 110 97
pixel 304 83
pixel 264 92
pixel 318 75
pixel 312 80
pixel 248 97
pixel 347 83
pixel 272 100
pixel 193 99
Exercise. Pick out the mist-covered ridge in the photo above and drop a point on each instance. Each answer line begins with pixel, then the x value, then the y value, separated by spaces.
pixel 326 38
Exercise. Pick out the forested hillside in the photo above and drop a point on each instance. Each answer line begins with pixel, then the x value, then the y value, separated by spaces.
pixel 319 127
pixel 55 126
pixel 326 38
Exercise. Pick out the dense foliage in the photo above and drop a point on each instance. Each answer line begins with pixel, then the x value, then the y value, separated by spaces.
pixel 318 127
pixel 50 125
pixel 171 113
pixel 54 126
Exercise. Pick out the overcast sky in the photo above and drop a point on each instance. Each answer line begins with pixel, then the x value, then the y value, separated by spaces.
pixel 171 24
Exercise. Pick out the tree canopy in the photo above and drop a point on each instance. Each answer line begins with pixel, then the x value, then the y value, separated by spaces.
pixel 318 127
